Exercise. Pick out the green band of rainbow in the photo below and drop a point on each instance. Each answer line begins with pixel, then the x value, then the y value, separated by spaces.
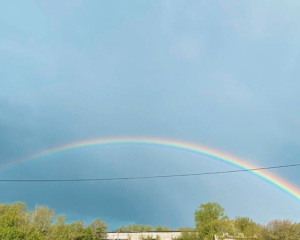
pixel 186 146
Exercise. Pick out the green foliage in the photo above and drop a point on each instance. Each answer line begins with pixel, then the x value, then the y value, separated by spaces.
pixel 42 218
pixel 246 227
pixel 210 219
pixel 135 228
pixel 160 228
pixel 281 230
pixel 98 229
pixel 209 212
pixel 17 223
pixel 13 221
pixel 187 234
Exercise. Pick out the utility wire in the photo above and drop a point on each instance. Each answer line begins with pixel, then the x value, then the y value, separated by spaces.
pixel 148 177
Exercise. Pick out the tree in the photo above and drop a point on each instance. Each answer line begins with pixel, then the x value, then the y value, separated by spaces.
pixel 59 230
pixel 281 230
pixel 11 220
pixel 98 229
pixel 76 230
pixel 17 223
pixel 187 234
pixel 210 219
pixel 135 228
pixel 160 228
pixel 42 218
pixel 246 226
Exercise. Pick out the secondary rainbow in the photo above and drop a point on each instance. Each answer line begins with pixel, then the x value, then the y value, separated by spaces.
pixel 170 143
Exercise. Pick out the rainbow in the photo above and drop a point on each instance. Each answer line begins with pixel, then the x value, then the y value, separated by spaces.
pixel 163 142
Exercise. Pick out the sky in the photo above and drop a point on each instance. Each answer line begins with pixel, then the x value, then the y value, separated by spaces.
pixel 217 73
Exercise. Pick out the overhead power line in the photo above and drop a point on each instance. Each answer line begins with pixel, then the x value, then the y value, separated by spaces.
pixel 148 177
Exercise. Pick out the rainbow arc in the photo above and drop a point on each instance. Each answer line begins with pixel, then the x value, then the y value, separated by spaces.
pixel 273 179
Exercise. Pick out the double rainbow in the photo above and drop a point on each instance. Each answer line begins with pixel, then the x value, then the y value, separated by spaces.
pixel 162 142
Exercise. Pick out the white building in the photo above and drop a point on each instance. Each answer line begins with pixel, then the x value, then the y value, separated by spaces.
pixel 137 235
pixel 153 234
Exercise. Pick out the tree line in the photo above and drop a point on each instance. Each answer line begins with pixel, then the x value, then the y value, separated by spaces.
pixel 18 223
pixel 210 220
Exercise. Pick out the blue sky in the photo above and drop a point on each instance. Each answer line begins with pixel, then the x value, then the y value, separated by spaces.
pixel 222 74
